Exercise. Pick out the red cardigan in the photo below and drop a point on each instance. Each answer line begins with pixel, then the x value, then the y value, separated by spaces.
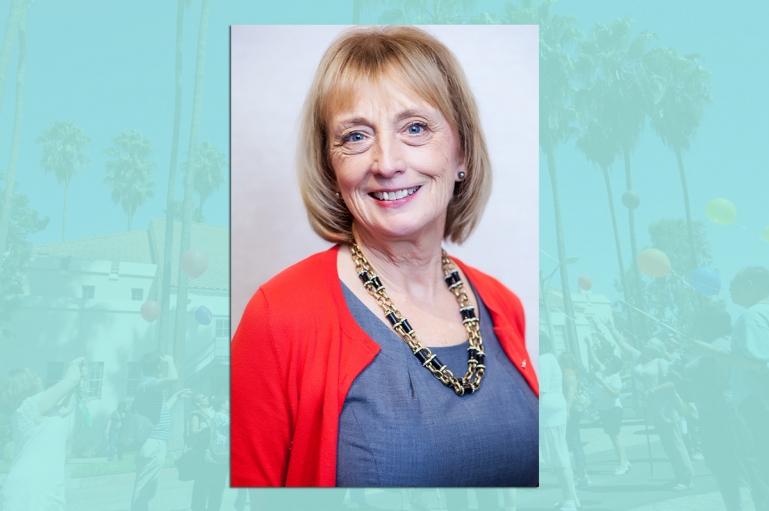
pixel 295 355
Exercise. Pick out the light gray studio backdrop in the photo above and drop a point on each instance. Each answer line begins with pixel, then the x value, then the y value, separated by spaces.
pixel 272 68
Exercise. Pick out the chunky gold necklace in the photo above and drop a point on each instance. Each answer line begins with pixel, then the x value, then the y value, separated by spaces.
pixel 471 381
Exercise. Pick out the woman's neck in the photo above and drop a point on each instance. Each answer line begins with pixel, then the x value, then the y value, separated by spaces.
pixel 411 267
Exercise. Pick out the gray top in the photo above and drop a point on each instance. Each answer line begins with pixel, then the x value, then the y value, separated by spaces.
pixel 400 426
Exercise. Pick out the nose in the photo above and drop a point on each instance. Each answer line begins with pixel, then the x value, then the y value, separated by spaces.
pixel 388 156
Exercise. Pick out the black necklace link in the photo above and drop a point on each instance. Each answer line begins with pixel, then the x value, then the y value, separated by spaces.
pixel 471 381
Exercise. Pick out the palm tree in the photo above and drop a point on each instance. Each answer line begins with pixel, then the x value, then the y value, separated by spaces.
pixel 432 12
pixel 209 171
pixel 612 59
pixel 681 88
pixel 16 15
pixel 180 329
pixel 556 111
pixel 63 146
pixel 129 171
pixel 10 176
pixel 601 145
pixel 164 326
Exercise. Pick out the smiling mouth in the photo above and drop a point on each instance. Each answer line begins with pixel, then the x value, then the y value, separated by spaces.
pixel 390 196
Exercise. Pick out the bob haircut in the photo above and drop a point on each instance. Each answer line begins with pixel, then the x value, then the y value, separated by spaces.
pixel 372 57
pixel 17 386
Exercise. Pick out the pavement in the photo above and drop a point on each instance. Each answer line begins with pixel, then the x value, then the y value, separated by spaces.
pixel 646 487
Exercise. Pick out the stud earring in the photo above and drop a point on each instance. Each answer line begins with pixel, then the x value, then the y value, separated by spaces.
pixel 337 195
pixel 461 175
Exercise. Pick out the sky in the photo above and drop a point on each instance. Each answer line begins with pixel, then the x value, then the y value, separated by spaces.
pixel 110 68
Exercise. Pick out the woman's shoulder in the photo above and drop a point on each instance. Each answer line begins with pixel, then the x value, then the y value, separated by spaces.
pixel 306 279
pixel 495 294
pixel 306 294
pixel 302 275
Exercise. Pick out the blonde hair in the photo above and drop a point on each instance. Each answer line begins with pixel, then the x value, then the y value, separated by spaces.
pixel 17 386
pixel 418 60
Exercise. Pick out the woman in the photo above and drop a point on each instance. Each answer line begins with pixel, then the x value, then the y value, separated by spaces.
pixel 650 365
pixel 35 479
pixel 553 448
pixel 333 361
pixel 607 389
pixel 572 385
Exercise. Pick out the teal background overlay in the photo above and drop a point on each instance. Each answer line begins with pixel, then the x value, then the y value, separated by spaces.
pixel 651 91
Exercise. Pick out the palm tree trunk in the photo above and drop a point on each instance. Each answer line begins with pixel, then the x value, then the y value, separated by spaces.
pixel 689 227
pixel 356 12
pixel 164 328
pixel 130 215
pixel 180 333
pixel 64 211
pixel 637 293
pixel 618 245
pixel 571 329
pixel 15 15
pixel 10 176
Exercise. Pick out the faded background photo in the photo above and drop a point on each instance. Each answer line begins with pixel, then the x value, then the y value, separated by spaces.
pixel 114 242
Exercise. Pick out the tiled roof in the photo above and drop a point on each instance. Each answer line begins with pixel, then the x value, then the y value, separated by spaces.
pixel 212 240
pixel 147 246
pixel 129 247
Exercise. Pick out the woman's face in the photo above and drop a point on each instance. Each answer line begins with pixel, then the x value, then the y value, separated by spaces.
pixel 396 160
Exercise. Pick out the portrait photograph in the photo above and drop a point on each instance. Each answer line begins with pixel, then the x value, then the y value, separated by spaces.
pixel 384 256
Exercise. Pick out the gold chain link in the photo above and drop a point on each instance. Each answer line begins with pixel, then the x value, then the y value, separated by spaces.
pixel 472 379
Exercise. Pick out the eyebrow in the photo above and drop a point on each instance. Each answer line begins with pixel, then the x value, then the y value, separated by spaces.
pixel 410 112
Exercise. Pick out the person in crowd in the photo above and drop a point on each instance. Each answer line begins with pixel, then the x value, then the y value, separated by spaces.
pixel 383 361
pixel 114 423
pixel 726 442
pixel 750 342
pixel 35 479
pixel 572 388
pixel 552 435
pixel 679 358
pixel 197 439
pixel 197 431
pixel 209 485
pixel 650 364
pixel 606 399
pixel 158 373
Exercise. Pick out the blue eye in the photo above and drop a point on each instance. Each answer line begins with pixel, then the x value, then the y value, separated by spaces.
pixel 355 136
pixel 415 129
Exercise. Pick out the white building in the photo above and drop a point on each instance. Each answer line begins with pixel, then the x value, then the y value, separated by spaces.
pixel 83 298
pixel 586 305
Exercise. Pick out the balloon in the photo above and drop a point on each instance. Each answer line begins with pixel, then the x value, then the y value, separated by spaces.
pixel 721 212
pixel 705 281
pixel 150 310
pixel 203 315
pixel 585 282
pixel 766 238
pixel 653 263
pixel 194 263
pixel 631 199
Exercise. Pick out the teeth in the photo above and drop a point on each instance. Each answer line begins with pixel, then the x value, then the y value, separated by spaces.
pixel 388 196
